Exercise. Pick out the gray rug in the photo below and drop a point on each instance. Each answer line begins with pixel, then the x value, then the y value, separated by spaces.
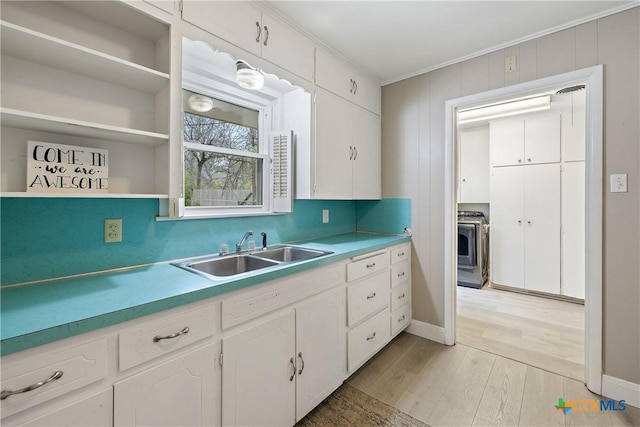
pixel 348 406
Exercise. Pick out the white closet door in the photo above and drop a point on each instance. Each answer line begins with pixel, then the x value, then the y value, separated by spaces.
pixel 474 166
pixel 542 228
pixel 542 139
pixel 573 230
pixel 507 226
pixel 507 142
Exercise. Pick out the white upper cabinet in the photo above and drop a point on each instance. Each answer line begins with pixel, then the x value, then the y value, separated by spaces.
pixel 520 141
pixel 473 158
pixel 342 80
pixel 247 27
pixel 91 74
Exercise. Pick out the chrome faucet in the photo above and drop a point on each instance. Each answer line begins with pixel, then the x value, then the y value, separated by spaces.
pixel 244 239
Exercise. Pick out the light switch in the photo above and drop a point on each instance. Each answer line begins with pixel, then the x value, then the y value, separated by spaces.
pixel 325 216
pixel 619 183
pixel 510 64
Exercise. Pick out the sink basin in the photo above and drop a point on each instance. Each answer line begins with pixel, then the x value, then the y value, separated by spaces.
pixel 290 254
pixel 229 265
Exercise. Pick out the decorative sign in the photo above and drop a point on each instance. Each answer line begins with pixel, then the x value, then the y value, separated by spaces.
pixel 57 168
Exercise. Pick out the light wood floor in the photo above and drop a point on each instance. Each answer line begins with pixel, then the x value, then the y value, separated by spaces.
pixel 465 386
pixel 541 332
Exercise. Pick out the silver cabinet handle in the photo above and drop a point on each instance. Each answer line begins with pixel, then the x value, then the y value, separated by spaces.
pixel 6 393
pixel 402 318
pixel 293 368
pixel 372 336
pixel 259 32
pixel 356 150
pixel 372 265
pixel 519 221
pixel 266 37
pixel 401 254
pixel 401 274
pixel 371 295
pixel 302 362
pixel 169 337
pixel 352 83
pixel 401 296
pixel 351 155
pixel 529 159
pixel 355 84
pixel 529 222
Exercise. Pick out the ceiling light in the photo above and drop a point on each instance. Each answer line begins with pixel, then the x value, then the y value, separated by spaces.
pixel 505 109
pixel 200 103
pixel 248 77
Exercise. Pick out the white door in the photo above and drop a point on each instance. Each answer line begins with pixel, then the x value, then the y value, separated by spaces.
pixel 542 139
pixel 507 142
pixel 319 342
pixel 180 392
pixel 237 22
pixel 367 168
pixel 334 152
pixel 542 228
pixel 573 230
pixel 474 165
pixel 258 374
pixel 507 226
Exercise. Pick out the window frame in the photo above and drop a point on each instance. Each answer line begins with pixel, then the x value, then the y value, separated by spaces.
pixel 237 96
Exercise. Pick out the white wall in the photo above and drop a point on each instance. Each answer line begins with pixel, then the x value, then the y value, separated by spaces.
pixel 413 162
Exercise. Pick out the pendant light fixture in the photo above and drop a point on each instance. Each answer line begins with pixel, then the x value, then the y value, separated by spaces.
pixel 248 77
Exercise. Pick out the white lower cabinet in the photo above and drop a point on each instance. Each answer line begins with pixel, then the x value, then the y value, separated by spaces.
pixel 94 411
pixel 181 392
pixel 278 370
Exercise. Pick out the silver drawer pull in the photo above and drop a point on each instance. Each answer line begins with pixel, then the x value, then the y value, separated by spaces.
pixel 6 393
pixel 372 336
pixel 371 296
pixel 168 337
pixel 293 368
pixel 373 264
pixel 402 318
pixel 302 363
pixel 401 274
pixel 401 254
pixel 401 296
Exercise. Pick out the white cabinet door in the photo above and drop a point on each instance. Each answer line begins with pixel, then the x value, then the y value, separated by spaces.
pixel 574 128
pixel 542 228
pixel 573 230
pixel 507 226
pixel 334 152
pixel 92 411
pixel 258 374
pixel 181 392
pixel 287 48
pixel 474 165
pixel 542 139
pixel 367 169
pixel 237 22
pixel 319 349
pixel 507 142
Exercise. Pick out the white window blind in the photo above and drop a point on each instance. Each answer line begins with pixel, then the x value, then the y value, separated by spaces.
pixel 282 171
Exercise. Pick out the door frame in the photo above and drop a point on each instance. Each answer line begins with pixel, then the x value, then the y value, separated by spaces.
pixel 592 78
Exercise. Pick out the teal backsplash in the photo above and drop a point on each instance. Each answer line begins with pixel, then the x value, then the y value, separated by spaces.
pixel 387 216
pixel 43 238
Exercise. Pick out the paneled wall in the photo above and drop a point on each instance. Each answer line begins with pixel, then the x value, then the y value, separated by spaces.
pixel 413 162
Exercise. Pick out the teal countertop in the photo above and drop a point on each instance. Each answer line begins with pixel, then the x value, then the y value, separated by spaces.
pixel 40 313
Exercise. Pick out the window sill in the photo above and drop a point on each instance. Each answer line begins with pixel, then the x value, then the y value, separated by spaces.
pixel 220 215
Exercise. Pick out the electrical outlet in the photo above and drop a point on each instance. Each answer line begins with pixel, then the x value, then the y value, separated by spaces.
pixel 325 216
pixel 510 64
pixel 113 230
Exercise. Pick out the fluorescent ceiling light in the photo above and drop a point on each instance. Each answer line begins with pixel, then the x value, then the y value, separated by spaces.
pixel 200 103
pixel 248 77
pixel 504 110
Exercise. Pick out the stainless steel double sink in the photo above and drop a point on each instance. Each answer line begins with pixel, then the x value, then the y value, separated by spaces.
pixel 224 266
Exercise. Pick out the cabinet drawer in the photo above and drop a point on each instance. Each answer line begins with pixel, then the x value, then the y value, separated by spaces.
pixel 400 254
pixel 79 366
pixel 400 273
pixel 156 338
pixel 366 339
pixel 367 297
pixel 400 319
pixel 367 266
pixel 400 295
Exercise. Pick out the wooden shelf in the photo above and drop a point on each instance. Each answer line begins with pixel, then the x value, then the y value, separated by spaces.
pixel 61 125
pixel 33 46
pixel 84 196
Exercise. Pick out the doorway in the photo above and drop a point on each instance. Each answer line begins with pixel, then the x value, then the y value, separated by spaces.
pixel 592 79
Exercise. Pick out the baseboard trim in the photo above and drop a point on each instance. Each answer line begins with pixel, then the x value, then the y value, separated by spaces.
pixel 615 388
pixel 426 330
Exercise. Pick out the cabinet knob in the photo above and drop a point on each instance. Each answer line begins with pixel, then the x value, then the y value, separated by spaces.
pixel 528 159
pixel 529 222
pixel 519 221
pixel 519 160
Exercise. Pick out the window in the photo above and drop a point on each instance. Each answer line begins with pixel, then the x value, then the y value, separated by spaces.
pixel 225 156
